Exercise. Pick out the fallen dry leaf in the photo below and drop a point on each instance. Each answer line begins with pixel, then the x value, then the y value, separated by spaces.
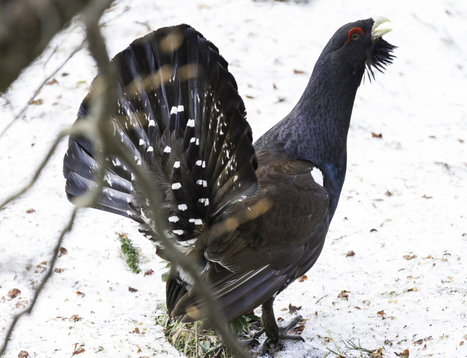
pixel 343 294
pixel 58 270
pixel 30 211
pixel 298 72
pixel 23 354
pixel 131 289
pixel 302 278
pixel 78 351
pixel 13 293
pixel 148 272
pixel 75 318
pixel 293 309
pixel 405 353
pixel 51 82
pixel 79 293
pixel 409 257
pixel 381 313
pixel 37 102
pixel 298 329
pixel 136 330
pixel 350 253
pixel 62 252
pixel 374 135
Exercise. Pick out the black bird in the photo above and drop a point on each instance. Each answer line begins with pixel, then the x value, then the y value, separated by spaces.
pixel 253 217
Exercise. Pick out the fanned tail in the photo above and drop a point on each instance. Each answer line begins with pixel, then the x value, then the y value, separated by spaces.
pixel 180 115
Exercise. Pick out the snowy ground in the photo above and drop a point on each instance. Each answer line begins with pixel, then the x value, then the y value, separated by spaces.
pixel 403 207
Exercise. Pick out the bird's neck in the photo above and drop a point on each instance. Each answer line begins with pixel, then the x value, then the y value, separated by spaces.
pixel 316 129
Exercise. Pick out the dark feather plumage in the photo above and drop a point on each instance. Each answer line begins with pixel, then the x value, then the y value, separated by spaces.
pixel 253 218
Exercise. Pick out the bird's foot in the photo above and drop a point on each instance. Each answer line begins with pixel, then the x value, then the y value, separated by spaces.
pixel 273 342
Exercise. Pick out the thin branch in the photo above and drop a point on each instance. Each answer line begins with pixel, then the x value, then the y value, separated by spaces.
pixel 175 256
pixel 38 89
pixel 39 289
pixel 27 28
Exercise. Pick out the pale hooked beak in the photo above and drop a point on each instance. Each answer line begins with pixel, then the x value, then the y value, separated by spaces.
pixel 379 33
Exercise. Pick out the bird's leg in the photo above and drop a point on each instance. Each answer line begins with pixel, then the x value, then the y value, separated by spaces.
pixel 272 330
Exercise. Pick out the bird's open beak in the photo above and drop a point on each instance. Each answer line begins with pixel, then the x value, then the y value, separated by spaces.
pixel 379 33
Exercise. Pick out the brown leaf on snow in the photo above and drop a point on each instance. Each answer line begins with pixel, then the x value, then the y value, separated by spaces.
pixel 293 309
pixel 302 278
pixel 350 253
pixel 58 270
pixel 75 318
pixel 409 257
pixel 23 354
pixel 374 135
pixel 13 293
pixel 37 102
pixel 381 313
pixel 298 72
pixel 148 272
pixel 413 289
pixel 30 211
pixel 343 294
pixel 62 252
pixel 79 293
pixel 298 329
pixel 78 351
pixel 427 197
pixel 131 289
pixel 51 82
pixel 136 330
pixel 405 353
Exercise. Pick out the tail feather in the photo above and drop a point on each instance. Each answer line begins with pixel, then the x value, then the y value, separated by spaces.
pixel 180 115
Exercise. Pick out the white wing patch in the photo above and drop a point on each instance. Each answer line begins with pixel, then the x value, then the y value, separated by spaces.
pixel 317 176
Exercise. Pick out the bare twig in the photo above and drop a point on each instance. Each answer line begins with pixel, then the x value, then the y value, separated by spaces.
pixel 38 89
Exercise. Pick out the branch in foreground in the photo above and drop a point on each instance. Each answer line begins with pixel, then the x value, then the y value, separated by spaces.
pixel 27 26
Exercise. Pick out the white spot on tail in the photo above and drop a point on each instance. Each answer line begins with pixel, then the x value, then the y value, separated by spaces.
pixel 150 149
pixel 182 207
pixel 204 183
pixel 173 110
pixel 196 221
pixel 190 123
pixel 167 149
pixel 177 164
pixel 173 219
pixel 176 186
pixel 204 200
pixel 142 142
pixel 180 108
pixel 317 176
pixel 152 123
pixel 178 232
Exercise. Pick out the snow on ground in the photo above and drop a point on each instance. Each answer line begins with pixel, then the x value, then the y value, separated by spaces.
pixel 402 210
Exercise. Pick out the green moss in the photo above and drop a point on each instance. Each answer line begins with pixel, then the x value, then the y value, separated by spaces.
pixel 130 253
pixel 183 335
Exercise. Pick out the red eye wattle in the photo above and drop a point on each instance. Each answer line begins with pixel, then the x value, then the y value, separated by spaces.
pixel 354 34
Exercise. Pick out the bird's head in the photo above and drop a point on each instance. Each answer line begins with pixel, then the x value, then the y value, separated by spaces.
pixel 359 45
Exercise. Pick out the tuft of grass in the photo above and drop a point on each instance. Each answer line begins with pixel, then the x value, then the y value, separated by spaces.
pixel 192 342
pixel 352 348
pixel 130 253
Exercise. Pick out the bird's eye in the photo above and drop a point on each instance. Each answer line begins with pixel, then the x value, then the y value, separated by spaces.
pixel 354 34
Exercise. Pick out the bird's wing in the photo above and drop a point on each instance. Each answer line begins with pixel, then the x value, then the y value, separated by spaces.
pixel 269 248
